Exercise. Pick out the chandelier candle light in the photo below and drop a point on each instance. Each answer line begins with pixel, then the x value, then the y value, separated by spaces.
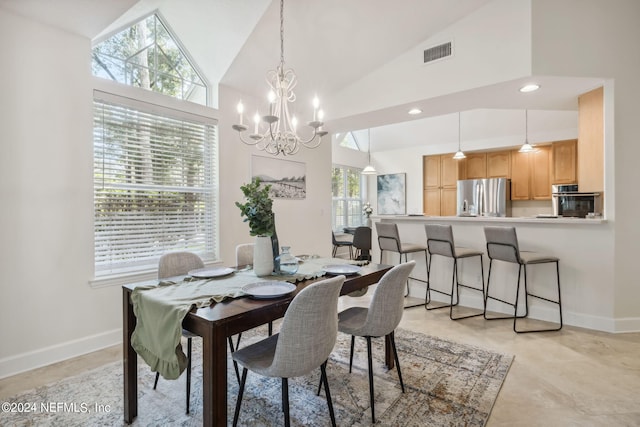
pixel 280 135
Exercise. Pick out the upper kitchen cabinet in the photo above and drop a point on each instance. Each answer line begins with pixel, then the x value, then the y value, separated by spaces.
pixel 564 163
pixel 476 165
pixel 590 162
pixel 531 174
pixel 440 178
pixel 499 164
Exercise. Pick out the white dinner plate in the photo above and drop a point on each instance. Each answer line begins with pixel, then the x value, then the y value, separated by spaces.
pixel 268 289
pixel 210 272
pixel 346 269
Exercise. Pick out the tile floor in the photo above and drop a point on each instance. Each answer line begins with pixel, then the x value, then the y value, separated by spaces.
pixel 574 377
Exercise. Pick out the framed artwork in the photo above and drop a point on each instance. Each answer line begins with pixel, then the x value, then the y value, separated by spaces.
pixel 288 179
pixel 392 194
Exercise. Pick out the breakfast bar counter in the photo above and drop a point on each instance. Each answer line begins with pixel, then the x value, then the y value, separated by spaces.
pixel 584 247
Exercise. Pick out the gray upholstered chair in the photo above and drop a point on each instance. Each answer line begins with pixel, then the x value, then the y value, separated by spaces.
pixel 380 319
pixel 175 264
pixel 244 254
pixel 341 243
pixel 389 240
pixel 502 245
pixel 440 242
pixel 307 337
pixel 362 243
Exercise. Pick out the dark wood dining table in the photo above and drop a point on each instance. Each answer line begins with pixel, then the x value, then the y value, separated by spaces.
pixel 214 324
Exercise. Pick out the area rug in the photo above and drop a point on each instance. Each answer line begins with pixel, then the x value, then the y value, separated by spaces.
pixel 447 384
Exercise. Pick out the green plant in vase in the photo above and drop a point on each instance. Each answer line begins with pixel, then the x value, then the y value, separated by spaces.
pixel 258 209
pixel 258 212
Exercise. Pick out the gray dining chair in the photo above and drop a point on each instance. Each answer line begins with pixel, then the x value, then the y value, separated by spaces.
pixel 175 264
pixel 380 319
pixel 502 245
pixel 341 243
pixel 307 336
pixel 244 254
pixel 389 240
pixel 440 242
pixel 362 243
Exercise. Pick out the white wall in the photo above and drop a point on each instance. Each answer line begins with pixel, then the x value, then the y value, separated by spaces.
pixel 48 312
pixel 483 55
pixel 599 38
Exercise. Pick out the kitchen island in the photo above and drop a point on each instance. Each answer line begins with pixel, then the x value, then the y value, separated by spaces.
pixel 584 247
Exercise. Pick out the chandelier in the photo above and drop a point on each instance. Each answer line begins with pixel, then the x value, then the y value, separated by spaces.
pixel 276 132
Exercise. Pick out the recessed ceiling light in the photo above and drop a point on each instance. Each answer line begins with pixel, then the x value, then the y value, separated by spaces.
pixel 415 111
pixel 529 88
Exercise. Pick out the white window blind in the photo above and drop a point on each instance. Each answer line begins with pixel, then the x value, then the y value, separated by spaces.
pixel 155 175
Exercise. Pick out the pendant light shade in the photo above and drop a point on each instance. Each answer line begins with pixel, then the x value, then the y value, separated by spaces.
pixel 369 170
pixel 526 147
pixel 459 154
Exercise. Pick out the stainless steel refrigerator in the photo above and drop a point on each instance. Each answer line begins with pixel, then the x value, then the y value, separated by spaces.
pixel 484 197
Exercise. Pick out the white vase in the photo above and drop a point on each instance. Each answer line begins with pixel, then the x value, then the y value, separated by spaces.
pixel 263 256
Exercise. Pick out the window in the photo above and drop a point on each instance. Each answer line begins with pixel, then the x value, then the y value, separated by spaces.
pixel 148 56
pixel 155 172
pixel 347 189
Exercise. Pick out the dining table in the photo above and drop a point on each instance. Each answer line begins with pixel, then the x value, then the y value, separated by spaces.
pixel 215 323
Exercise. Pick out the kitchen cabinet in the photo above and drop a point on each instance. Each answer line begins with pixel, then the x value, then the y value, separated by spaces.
pixel 540 163
pixel 590 165
pixel 564 162
pixel 519 175
pixel 440 179
pixel 531 174
pixel 476 165
pixel 499 164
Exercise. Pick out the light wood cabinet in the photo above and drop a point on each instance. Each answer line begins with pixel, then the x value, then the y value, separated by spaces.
pixel 540 163
pixel 440 182
pixel 519 175
pixel 531 174
pixel 565 159
pixel 590 164
pixel 499 164
pixel 476 165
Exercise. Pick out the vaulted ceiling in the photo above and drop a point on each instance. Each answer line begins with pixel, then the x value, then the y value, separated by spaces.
pixel 329 43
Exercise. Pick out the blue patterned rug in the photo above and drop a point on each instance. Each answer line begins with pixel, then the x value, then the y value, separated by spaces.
pixel 447 384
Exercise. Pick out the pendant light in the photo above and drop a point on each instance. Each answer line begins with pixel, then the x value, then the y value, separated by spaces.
pixel 459 155
pixel 526 147
pixel 369 170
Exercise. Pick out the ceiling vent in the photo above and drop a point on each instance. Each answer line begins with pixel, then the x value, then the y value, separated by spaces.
pixel 437 52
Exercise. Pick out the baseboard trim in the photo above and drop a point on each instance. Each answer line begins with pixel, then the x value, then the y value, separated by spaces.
pixel 543 312
pixel 56 353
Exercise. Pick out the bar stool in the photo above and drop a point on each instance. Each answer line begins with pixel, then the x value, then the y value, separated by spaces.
pixel 389 240
pixel 502 245
pixel 440 242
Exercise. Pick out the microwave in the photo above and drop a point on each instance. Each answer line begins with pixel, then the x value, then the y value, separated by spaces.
pixel 567 201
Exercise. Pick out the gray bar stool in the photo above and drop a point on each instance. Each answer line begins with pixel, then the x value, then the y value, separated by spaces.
pixel 440 242
pixel 389 240
pixel 502 245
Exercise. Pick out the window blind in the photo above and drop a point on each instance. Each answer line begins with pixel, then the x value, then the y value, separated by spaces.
pixel 154 181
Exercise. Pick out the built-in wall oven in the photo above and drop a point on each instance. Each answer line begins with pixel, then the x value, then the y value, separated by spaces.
pixel 569 202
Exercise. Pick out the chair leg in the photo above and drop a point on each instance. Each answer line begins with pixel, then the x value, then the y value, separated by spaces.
pixel 155 383
pixel 371 393
pixel 558 302
pixel 458 284
pixel 395 356
pixel 514 305
pixel 453 282
pixel 236 414
pixel 285 401
pixel 323 370
pixel 232 348
pixel 353 341
pixel 188 372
